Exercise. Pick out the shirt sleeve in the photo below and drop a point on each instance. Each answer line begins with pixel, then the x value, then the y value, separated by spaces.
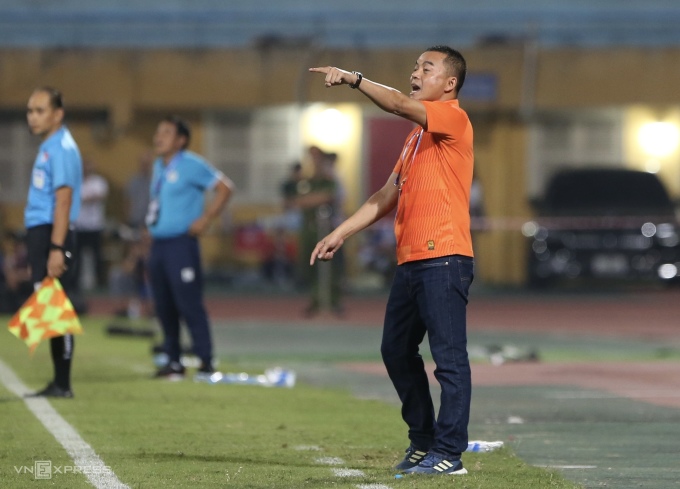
pixel 445 119
pixel 96 188
pixel 204 175
pixel 64 169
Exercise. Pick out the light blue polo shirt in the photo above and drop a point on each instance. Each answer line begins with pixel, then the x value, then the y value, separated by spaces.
pixel 58 164
pixel 179 189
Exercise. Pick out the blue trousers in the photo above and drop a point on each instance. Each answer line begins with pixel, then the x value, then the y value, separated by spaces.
pixel 176 279
pixel 430 296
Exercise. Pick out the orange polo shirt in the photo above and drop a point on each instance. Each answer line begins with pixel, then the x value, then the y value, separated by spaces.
pixel 435 176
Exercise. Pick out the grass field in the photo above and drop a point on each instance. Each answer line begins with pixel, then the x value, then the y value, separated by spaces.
pixel 156 434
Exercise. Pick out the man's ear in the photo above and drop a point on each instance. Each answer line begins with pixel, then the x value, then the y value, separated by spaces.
pixel 183 142
pixel 451 84
pixel 59 115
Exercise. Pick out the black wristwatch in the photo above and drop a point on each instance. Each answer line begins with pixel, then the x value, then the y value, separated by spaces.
pixel 358 82
pixel 65 252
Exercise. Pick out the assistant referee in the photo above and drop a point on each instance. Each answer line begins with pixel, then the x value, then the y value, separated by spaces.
pixel 52 206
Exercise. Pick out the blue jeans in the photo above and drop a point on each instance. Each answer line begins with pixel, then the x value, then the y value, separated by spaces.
pixel 430 296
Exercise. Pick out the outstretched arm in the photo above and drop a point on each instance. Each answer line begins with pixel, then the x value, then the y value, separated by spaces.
pixel 376 207
pixel 387 98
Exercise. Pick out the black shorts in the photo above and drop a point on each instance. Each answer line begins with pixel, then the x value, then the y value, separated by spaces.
pixel 38 240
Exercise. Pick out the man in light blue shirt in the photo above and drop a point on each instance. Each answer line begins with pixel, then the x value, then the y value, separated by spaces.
pixel 177 216
pixel 52 206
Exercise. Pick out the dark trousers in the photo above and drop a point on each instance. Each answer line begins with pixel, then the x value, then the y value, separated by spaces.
pixel 92 240
pixel 38 241
pixel 430 296
pixel 177 283
pixel 312 232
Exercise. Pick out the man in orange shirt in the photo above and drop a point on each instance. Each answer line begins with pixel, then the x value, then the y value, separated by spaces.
pixel 430 186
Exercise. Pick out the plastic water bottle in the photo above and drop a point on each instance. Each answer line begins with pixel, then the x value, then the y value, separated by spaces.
pixel 272 377
pixel 161 359
pixel 477 446
pixel 280 377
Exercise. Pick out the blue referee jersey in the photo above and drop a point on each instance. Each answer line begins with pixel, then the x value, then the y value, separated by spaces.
pixel 57 165
pixel 178 191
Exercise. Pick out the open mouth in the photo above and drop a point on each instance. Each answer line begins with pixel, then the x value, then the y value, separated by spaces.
pixel 414 88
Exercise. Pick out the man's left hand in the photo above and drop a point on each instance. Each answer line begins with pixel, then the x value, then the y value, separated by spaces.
pixel 56 264
pixel 199 226
pixel 335 76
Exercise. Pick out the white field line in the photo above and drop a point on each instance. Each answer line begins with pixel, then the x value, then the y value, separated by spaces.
pixel 99 475
pixel 313 448
pixel 330 461
pixel 339 472
pixel 348 473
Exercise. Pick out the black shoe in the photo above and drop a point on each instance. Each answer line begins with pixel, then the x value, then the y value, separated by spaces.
pixel 412 458
pixel 53 390
pixel 172 371
pixel 206 368
pixel 204 372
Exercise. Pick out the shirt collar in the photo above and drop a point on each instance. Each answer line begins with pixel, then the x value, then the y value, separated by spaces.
pixel 57 135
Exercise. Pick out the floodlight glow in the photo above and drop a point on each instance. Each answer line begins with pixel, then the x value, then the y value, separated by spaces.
pixel 331 127
pixel 529 229
pixel 668 271
pixel 653 166
pixel 659 139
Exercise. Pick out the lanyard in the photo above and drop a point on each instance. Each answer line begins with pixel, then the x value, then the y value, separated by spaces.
pixel 403 171
pixel 159 183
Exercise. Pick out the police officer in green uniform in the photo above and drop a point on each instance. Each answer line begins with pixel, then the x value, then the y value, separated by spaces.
pixel 317 197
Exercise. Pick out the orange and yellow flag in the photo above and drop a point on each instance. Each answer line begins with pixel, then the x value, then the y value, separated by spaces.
pixel 46 314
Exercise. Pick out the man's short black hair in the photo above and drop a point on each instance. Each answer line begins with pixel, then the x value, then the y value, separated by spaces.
pixel 455 61
pixel 56 99
pixel 181 127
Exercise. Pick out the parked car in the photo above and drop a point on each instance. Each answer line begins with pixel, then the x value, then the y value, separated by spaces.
pixel 603 223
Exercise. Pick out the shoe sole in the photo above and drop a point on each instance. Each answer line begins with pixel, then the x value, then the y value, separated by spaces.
pixel 203 377
pixel 48 396
pixel 434 471
pixel 462 471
